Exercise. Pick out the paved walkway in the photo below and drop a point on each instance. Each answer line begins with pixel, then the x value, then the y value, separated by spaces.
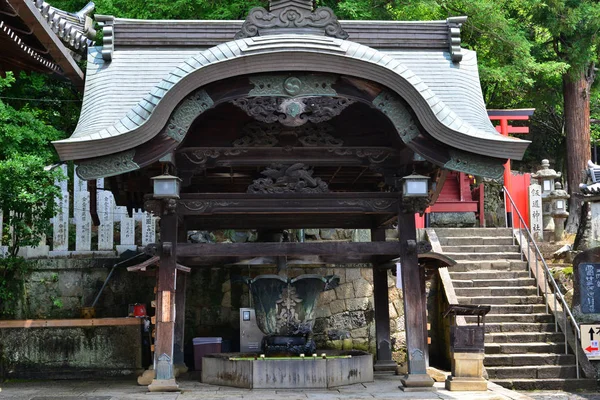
pixel 384 387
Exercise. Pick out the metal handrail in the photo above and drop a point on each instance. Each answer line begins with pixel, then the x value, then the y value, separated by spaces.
pixel 548 278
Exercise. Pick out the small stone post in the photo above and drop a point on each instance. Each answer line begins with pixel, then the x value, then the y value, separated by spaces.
pixel 546 178
pixel 559 210
pixel 536 222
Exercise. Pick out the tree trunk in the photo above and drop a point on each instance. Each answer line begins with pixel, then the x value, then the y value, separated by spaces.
pixel 576 95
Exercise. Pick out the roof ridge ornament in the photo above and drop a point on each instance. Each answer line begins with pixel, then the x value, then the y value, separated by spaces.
pixel 454 24
pixel 291 16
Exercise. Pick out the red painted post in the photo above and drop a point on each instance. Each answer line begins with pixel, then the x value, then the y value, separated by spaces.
pixel 504 116
pixel 507 172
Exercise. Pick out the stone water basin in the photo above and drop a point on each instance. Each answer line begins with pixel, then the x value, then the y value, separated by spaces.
pixel 339 368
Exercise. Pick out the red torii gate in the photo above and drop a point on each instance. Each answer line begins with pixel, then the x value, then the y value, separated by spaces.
pixel 455 199
pixel 504 128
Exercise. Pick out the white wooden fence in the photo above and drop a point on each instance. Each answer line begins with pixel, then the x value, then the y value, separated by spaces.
pixel 112 219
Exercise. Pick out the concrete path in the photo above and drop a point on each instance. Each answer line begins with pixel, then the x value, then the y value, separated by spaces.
pixel 384 387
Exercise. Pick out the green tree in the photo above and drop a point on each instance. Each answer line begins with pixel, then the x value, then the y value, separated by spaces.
pixel 27 191
pixel 569 31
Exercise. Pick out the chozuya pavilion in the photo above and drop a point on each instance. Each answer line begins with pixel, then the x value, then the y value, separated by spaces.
pixel 290 119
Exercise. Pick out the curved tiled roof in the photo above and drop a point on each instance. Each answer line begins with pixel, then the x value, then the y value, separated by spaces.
pixel 446 97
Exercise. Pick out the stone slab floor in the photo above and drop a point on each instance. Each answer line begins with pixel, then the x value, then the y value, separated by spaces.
pixel 384 387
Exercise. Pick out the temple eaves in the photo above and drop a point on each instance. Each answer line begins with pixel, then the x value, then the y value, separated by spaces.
pixel 34 36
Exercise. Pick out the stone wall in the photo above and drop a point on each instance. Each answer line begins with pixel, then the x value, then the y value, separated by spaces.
pixel 59 288
pixel 70 352
pixel 345 317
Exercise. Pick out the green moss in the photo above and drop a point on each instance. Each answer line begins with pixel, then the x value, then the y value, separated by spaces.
pixel 334 344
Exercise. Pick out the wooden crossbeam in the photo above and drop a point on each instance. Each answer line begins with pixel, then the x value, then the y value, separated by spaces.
pixel 143 265
pixel 154 261
pixel 287 249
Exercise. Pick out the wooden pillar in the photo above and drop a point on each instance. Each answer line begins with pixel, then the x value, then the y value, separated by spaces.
pixel 165 304
pixel 178 354
pixel 414 306
pixel 180 288
pixel 384 360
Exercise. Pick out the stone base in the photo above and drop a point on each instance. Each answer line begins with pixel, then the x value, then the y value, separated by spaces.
pixel 453 220
pixel 40 251
pixel 163 385
pixel 385 366
pixel 467 365
pixel 242 370
pixel 418 389
pixel 466 384
pixel 146 378
pixel 179 369
pixel 423 381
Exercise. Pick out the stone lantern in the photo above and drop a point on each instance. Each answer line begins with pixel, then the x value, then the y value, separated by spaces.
pixel 546 178
pixel 559 199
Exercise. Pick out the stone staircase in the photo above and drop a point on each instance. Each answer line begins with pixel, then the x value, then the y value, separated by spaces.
pixel 522 349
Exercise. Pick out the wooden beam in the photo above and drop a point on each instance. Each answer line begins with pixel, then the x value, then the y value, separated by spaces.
pixel 69 323
pixel 321 203
pixel 143 265
pixel 287 249
pixel 199 158
pixel 183 269
pixel 286 221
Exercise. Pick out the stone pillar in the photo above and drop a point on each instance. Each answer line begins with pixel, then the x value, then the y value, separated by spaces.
pixel 60 238
pixel 81 212
pixel 106 207
pixel 127 241
pixel 536 223
pixel 165 304
pixel 384 360
pixel 414 307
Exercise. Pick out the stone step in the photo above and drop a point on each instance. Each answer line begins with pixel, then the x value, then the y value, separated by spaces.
pixel 481 249
pixel 496 291
pixel 523 338
pixel 520 327
pixel 532 372
pixel 470 232
pixel 483 256
pixel 567 385
pixel 524 348
pixel 500 300
pixel 491 318
pixel 517 309
pixel 482 282
pixel 488 265
pixel 483 275
pixel 475 240
pixel 496 360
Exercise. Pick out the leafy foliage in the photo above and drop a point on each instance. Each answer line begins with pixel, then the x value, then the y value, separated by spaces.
pixel 27 191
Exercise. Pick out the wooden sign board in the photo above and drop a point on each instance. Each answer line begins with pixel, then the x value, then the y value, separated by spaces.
pixel 589 287
pixel 590 335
